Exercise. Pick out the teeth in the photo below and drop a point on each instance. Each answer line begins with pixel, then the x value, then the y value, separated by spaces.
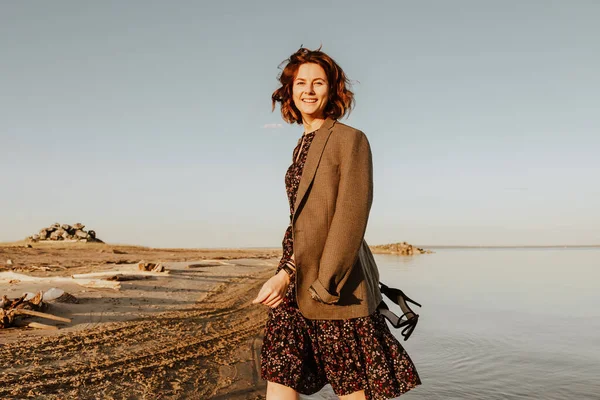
pixel 309 101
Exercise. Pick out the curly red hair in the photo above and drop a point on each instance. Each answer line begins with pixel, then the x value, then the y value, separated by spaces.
pixel 341 98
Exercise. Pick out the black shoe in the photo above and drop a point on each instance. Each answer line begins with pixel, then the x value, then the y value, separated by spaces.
pixel 408 320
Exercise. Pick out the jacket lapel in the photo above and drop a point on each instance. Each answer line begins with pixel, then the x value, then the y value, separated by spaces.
pixel 312 160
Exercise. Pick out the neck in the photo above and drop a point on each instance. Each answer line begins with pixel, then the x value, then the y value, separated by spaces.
pixel 312 124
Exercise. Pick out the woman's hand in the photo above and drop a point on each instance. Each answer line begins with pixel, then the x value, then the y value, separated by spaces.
pixel 272 292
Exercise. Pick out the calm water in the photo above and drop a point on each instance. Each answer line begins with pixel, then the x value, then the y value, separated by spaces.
pixel 502 323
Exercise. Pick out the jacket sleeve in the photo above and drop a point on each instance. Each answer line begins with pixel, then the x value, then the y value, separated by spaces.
pixel 284 257
pixel 349 222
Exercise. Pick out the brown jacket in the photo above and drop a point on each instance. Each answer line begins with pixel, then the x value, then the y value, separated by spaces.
pixel 331 213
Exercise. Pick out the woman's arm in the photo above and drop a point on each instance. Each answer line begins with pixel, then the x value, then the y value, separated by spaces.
pixel 273 291
pixel 348 225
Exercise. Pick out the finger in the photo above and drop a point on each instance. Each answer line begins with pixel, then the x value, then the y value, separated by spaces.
pixel 277 304
pixel 262 295
pixel 273 302
pixel 270 298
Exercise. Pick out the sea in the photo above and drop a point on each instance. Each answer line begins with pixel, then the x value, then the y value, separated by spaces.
pixel 500 323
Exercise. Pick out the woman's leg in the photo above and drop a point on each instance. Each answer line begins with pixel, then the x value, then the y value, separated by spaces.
pixel 277 391
pixel 360 395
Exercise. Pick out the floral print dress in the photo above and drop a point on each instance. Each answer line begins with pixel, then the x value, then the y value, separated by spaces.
pixel 351 355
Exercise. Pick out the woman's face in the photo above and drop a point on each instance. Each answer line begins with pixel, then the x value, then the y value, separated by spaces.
pixel 310 91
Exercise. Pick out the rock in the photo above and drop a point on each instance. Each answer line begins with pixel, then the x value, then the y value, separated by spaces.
pixel 67 298
pixel 9 262
pixel 67 232
pixel 56 295
pixel 403 248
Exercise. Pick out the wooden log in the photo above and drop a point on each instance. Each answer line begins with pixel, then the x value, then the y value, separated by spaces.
pixel 37 325
pixel 7 319
pixel 21 311
pixel 121 278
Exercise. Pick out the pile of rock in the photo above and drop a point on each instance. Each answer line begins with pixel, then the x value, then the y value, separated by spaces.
pixel 73 233
pixel 403 248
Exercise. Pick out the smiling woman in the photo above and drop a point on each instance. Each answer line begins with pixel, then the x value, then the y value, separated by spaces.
pixel 324 322
pixel 310 91
pixel 318 79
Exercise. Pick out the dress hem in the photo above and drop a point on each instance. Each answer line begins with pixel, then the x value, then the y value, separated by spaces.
pixel 367 397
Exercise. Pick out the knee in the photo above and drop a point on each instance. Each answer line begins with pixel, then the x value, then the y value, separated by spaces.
pixel 277 391
pixel 360 395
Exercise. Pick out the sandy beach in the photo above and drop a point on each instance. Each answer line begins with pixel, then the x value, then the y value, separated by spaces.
pixel 188 333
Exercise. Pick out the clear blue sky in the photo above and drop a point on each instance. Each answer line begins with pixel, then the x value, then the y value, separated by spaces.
pixel 151 122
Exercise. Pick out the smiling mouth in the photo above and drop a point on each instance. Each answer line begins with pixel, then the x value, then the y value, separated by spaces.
pixel 309 100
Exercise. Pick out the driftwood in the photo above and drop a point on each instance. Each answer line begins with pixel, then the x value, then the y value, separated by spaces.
pixel 26 305
pixel 122 278
pixel 148 266
pixel 140 274
pixel 42 268
pixel 22 311
pixel 7 276
pixel 37 325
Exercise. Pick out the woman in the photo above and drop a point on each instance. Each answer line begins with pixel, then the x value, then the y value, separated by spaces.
pixel 323 325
